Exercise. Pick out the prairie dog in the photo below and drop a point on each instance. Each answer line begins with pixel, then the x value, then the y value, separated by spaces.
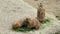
pixel 18 23
pixel 41 13
pixel 33 23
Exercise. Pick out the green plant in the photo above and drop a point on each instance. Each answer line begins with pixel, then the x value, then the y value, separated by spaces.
pixel 23 29
pixel 47 20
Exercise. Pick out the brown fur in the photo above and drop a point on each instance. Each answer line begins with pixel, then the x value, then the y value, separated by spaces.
pixel 28 22
pixel 41 13
pixel 33 23
pixel 18 23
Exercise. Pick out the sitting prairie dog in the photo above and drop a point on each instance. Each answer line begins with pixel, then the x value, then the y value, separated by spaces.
pixel 18 23
pixel 28 22
pixel 33 23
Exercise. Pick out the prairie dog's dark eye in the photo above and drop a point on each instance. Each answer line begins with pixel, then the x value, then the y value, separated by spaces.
pixel 33 28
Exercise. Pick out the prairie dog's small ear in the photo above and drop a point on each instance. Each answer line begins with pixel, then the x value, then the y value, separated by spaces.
pixel 40 5
pixel 26 19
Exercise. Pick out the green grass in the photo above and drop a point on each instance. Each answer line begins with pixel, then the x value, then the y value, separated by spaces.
pixel 22 29
pixel 46 22
pixel 25 29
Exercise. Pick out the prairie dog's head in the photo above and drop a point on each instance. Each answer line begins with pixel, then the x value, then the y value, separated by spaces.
pixel 28 20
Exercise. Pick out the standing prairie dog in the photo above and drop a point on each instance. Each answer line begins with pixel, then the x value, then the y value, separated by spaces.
pixel 41 13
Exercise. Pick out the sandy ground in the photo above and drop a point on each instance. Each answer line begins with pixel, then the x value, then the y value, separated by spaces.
pixel 11 10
